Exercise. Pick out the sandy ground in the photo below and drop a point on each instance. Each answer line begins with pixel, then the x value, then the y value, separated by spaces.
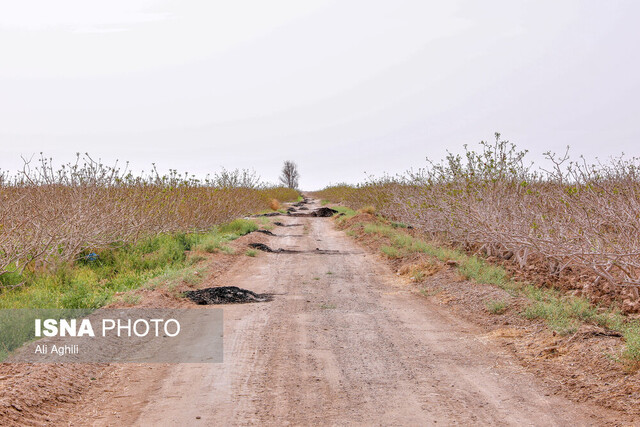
pixel 344 342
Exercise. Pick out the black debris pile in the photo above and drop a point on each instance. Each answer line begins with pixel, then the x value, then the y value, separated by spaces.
pixel 267 232
pixel 261 247
pixel 265 248
pixel 268 214
pixel 324 212
pixel 279 224
pixel 225 295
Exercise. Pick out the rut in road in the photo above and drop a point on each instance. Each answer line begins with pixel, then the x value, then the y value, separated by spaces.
pixel 346 342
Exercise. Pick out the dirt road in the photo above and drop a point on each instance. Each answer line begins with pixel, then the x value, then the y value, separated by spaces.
pixel 343 342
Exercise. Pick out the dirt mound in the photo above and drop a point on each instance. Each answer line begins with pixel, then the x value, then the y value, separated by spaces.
pixel 324 212
pixel 225 295
pixel 261 247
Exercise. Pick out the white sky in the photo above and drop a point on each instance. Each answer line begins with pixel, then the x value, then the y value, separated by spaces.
pixel 340 87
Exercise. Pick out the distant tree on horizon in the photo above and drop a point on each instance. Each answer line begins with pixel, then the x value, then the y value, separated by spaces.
pixel 290 175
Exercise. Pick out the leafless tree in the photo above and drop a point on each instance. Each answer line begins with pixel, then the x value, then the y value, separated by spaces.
pixel 290 174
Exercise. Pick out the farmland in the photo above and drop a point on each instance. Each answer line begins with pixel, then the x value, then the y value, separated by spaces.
pixel 573 226
pixel 72 236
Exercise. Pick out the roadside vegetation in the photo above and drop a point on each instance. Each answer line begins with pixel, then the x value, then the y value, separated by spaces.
pixel 75 236
pixel 566 241
pixel 92 281
pixel 575 220
pixel 562 313
pixel 165 261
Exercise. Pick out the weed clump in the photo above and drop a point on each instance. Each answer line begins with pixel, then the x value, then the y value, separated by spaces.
pixel 390 252
pixel 368 209
pixel 251 252
pixel 496 306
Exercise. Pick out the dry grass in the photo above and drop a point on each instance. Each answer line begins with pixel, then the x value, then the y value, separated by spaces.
pixel 368 209
pixel 418 271
pixel 274 204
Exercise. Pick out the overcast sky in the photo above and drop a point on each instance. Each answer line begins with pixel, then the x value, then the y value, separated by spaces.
pixel 341 87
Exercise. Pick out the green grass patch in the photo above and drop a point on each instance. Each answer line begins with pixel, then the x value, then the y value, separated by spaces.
pixel 327 306
pixel 348 212
pixel 631 335
pixel 381 229
pixel 395 224
pixel 227 250
pixel 496 306
pixel 211 244
pixel 215 241
pixel 401 240
pixel 563 313
pixel 92 281
pixel 128 299
pixel 251 252
pixel 171 279
pixel 238 227
pixel 482 272
pixel 165 260
pixel 265 223
pixel 18 330
pixel 390 252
